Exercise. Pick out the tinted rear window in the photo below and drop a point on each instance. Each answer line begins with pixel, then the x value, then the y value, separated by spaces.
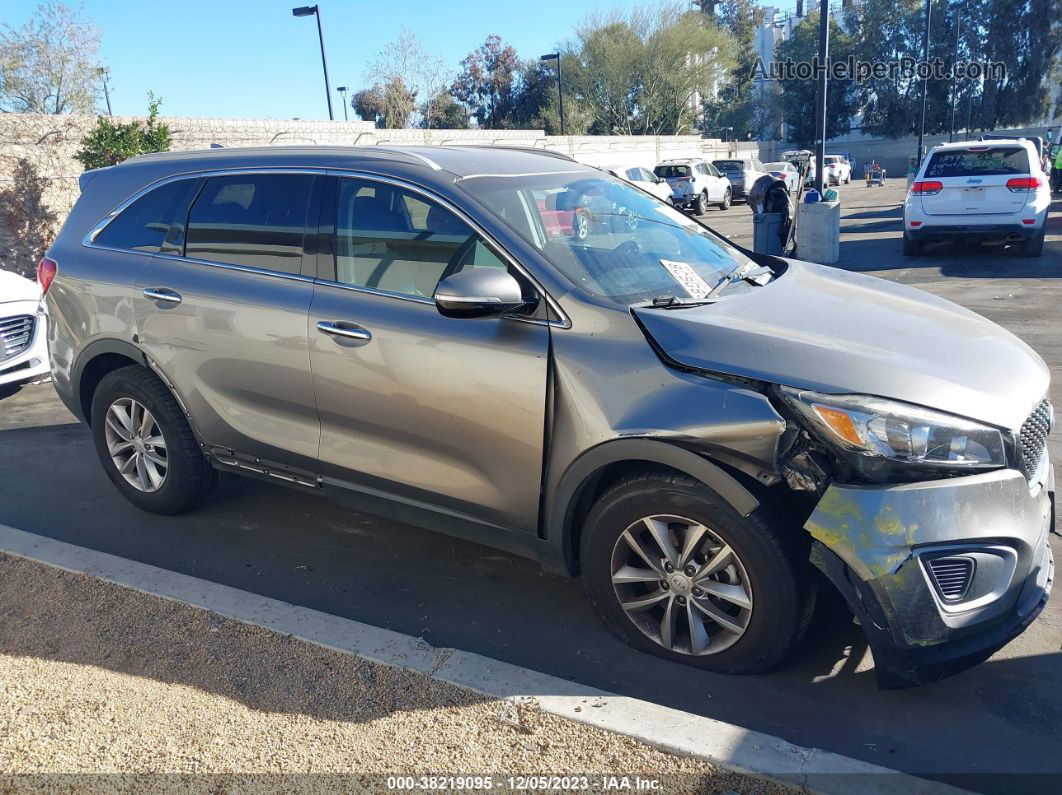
pixel 730 165
pixel 256 220
pixel 142 226
pixel 987 162
pixel 672 171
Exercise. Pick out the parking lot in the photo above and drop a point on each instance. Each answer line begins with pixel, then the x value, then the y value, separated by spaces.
pixel 1003 717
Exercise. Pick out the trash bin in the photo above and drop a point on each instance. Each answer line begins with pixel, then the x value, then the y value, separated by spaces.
pixel 768 234
pixel 772 214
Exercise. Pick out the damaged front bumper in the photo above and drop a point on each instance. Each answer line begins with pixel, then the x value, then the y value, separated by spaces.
pixel 940 574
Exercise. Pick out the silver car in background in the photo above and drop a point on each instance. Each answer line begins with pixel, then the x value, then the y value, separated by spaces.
pixel 706 435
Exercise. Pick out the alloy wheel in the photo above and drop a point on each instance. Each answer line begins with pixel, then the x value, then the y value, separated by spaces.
pixel 136 445
pixel 681 584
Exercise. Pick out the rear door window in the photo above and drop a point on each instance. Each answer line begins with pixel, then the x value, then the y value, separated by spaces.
pixel 979 162
pixel 142 226
pixel 257 220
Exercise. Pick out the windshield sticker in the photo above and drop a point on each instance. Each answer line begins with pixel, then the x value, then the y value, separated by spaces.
pixel 687 277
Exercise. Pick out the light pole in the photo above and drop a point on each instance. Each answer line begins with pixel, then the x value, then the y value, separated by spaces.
pixel 925 82
pixel 555 56
pixel 343 93
pixel 954 79
pixel 102 72
pixel 305 11
pixel 820 96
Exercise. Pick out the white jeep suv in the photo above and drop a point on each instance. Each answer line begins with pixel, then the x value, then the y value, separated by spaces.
pixel 977 191
pixel 695 184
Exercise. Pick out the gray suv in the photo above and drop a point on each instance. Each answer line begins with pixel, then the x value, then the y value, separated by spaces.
pixel 707 435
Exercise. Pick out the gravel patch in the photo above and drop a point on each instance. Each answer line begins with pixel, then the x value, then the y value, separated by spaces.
pixel 109 689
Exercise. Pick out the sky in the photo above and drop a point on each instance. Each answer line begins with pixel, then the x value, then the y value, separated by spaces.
pixel 253 59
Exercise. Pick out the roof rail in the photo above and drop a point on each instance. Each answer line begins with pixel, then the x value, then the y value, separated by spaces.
pixel 531 149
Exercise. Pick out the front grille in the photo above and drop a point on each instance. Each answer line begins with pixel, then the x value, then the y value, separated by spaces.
pixel 1033 437
pixel 951 576
pixel 15 335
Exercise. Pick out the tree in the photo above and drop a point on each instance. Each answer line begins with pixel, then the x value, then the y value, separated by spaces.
pixel 643 73
pixel 736 104
pixel 50 64
pixel 444 112
pixel 110 142
pixel 388 105
pixel 28 221
pixel 487 81
pixel 798 96
pixel 422 76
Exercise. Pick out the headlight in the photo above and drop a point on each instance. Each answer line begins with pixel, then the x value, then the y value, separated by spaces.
pixel 869 429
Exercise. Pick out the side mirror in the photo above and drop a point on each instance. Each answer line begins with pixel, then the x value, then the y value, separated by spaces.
pixel 479 292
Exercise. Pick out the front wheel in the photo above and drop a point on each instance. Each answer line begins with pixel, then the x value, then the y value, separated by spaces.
pixel 675 571
pixel 145 443
pixel 725 203
pixel 580 225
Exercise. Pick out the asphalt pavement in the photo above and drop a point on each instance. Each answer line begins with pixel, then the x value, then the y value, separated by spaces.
pixel 1003 717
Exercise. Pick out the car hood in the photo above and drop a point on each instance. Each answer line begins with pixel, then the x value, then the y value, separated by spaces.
pixel 17 288
pixel 838 332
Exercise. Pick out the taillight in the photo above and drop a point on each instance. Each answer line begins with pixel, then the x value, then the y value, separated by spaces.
pixel 927 187
pixel 1023 184
pixel 46 270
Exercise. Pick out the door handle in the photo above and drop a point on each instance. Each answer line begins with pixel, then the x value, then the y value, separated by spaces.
pixel 163 294
pixel 345 330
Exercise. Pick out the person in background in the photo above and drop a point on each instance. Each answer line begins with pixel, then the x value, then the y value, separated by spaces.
pixel 1056 173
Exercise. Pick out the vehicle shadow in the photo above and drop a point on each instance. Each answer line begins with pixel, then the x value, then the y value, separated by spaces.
pixel 313 553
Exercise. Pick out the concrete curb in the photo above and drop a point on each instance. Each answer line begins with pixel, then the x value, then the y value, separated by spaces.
pixel 671 730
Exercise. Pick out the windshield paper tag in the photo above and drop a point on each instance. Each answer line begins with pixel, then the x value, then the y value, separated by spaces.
pixel 686 276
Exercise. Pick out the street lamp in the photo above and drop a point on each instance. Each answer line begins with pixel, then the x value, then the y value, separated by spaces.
pixel 102 72
pixel 343 93
pixel 305 11
pixel 555 56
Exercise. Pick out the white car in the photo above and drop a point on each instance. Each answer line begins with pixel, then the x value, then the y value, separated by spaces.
pixel 643 178
pixel 786 171
pixel 695 184
pixel 838 169
pixel 978 191
pixel 23 343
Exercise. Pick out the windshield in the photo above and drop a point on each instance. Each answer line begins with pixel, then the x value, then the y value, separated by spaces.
pixel 606 236
pixel 979 162
pixel 670 172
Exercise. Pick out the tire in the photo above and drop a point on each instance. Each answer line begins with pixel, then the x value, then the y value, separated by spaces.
pixel 1034 247
pixel 771 574
pixel 725 203
pixel 580 225
pixel 911 247
pixel 186 476
pixel 702 204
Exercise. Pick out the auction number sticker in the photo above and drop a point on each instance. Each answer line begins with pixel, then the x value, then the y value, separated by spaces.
pixel 687 277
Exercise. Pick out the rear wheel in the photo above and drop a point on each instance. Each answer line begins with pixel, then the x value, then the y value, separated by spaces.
pixel 1034 247
pixel 911 247
pixel 702 203
pixel 674 571
pixel 725 203
pixel 145 443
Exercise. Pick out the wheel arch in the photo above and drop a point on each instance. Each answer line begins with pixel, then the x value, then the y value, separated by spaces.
pixel 98 359
pixel 595 470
